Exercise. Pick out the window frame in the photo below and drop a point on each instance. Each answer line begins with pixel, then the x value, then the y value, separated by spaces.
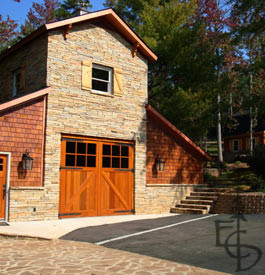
pixel 15 83
pixel 110 81
pixel 235 140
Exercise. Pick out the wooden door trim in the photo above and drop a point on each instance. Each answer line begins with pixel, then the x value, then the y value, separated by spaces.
pixel 8 167
pixel 96 139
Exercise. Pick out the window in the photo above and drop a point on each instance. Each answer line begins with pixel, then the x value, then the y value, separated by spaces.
pixel 254 142
pixel 16 82
pixel 235 145
pixel 102 78
pixel 115 156
pixel 80 154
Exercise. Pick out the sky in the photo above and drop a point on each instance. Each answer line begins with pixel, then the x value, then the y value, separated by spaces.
pixel 18 11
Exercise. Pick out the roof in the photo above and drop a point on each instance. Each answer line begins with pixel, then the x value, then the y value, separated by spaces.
pixel 176 133
pixel 243 125
pixel 108 15
pixel 23 99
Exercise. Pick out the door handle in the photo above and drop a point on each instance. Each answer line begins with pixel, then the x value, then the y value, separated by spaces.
pixel 4 191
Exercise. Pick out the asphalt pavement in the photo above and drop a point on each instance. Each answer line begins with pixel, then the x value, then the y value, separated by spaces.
pixel 224 243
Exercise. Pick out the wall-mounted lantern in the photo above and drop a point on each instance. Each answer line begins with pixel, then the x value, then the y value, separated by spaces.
pixel 159 164
pixel 27 161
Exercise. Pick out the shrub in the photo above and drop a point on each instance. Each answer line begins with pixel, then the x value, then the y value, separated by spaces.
pixel 208 177
pixel 257 161
pixel 256 182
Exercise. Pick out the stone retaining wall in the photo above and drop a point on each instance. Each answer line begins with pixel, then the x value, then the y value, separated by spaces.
pixel 248 203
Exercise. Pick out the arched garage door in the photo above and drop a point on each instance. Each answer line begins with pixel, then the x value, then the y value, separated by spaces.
pixel 96 177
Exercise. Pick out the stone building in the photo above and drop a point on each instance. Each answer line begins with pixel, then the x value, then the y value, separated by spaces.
pixel 74 99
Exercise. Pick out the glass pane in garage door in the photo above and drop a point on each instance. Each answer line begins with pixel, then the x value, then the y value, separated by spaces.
pixel 115 156
pixel 80 154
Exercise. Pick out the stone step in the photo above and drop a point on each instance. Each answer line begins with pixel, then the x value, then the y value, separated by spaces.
pixel 181 210
pixel 205 194
pixel 198 202
pixel 201 197
pixel 196 206
pixel 211 189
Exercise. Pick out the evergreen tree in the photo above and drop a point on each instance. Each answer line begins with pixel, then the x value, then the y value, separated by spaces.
pixel 69 7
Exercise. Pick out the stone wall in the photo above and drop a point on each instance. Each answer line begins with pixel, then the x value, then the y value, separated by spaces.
pixel 248 203
pixel 72 110
pixel 159 198
pixel 33 58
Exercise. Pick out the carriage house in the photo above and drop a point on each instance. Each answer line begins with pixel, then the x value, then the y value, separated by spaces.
pixel 77 136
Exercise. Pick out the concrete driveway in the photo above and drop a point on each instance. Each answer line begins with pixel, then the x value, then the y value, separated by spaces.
pixel 187 239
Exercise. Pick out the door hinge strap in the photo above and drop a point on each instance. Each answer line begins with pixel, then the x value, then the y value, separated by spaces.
pixel 68 214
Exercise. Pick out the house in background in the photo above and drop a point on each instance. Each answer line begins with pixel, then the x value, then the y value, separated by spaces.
pixel 237 141
pixel 77 137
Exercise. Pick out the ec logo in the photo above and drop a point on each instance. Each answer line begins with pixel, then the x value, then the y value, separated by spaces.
pixel 237 245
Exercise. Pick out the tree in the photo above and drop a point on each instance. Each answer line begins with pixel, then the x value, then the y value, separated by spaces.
pixel 176 88
pixel 7 32
pixel 38 15
pixel 69 7
pixel 217 23
pixel 249 35
pixel 43 13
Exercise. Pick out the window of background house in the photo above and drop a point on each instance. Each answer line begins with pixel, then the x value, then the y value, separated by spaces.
pixel 254 142
pixel 16 82
pixel 102 78
pixel 235 145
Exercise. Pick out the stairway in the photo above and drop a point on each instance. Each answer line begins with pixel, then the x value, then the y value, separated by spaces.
pixel 199 201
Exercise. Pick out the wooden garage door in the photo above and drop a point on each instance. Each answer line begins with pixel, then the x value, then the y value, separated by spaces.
pixel 96 178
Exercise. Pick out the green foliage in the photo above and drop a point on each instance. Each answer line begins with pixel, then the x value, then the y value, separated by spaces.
pixel 69 7
pixel 208 178
pixel 181 81
pixel 257 161
pixel 256 182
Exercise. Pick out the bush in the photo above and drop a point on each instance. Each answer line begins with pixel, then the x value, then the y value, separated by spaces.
pixel 256 182
pixel 208 178
pixel 257 161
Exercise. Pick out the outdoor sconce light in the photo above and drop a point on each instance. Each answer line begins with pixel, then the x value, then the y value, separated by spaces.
pixel 159 164
pixel 27 161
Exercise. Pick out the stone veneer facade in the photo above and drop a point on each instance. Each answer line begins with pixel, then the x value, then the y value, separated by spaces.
pixel 72 110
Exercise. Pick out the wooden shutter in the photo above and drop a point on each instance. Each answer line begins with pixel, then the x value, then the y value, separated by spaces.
pixel 117 82
pixel 86 75
pixel 7 90
pixel 22 79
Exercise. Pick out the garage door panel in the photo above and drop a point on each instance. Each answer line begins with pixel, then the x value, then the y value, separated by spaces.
pixel 78 192
pixel 117 192
pixel 104 183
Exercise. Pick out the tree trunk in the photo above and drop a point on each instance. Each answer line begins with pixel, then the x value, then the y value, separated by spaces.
pixel 219 130
pixel 250 115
